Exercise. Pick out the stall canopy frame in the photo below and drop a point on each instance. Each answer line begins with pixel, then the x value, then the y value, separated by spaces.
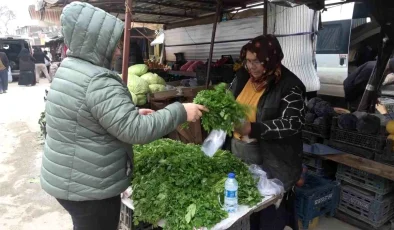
pixel 164 12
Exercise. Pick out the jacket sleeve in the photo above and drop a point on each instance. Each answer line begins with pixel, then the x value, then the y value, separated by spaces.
pixel 110 103
pixel 292 108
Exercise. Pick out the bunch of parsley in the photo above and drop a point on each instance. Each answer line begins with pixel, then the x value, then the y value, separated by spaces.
pixel 180 184
pixel 224 111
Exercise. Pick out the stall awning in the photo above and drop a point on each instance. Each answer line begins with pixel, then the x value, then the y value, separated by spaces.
pixel 159 40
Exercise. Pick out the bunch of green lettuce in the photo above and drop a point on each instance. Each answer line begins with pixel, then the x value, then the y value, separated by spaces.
pixel 178 183
pixel 224 111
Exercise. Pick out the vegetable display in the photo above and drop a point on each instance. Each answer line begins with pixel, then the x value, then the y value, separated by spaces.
pixel 139 88
pixel 154 88
pixel 176 182
pixel 153 78
pixel 139 69
pixel 224 111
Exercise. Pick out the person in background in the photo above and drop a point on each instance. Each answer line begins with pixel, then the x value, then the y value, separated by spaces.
pixel 92 122
pixel 47 61
pixel 135 56
pixel 26 68
pixel 40 58
pixel 355 84
pixel 271 135
pixel 4 64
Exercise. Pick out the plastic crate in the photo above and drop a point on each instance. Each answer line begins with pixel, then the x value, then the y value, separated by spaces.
pixel 371 182
pixel 364 206
pixel 322 131
pixel 315 198
pixel 356 143
pixel 126 220
pixel 387 156
pixel 345 217
pixel 318 166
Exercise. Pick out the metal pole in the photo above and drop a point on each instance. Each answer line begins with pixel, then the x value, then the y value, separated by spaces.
pixel 369 98
pixel 126 41
pixel 265 29
pixel 218 9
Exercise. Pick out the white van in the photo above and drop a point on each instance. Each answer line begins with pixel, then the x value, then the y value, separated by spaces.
pixel 346 29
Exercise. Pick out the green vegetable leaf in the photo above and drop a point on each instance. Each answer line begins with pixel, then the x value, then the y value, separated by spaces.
pixel 178 183
pixel 224 111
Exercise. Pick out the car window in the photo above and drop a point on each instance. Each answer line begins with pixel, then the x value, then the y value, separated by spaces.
pixel 334 37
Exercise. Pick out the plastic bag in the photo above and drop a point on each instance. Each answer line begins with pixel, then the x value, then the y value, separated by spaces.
pixel 9 74
pixel 213 142
pixel 266 187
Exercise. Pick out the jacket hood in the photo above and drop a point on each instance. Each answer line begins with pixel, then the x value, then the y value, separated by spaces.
pixel 90 33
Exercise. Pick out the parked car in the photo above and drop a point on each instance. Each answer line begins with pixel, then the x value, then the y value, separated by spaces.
pixel 12 47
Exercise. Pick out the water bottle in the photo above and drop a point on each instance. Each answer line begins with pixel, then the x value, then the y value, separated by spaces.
pixel 231 194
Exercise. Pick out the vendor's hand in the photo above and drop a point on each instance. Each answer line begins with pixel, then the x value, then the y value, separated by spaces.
pixel 145 111
pixel 194 111
pixel 381 109
pixel 244 128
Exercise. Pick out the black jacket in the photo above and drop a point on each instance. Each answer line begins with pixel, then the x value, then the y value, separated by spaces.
pixel 26 61
pixel 40 57
pixel 354 85
pixel 280 118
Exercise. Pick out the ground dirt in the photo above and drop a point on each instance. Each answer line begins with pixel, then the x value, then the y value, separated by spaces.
pixel 23 204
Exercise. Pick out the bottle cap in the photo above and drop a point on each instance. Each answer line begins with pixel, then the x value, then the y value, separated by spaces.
pixel 231 175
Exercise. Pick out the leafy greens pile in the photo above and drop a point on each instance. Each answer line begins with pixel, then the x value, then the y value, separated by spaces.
pixel 178 183
pixel 224 111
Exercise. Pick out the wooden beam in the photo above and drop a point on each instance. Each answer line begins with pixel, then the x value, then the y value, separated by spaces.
pixel 265 29
pixel 212 2
pixel 363 164
pixel 141 11
pixel 182 7
pixel 218 13
pixel 126 41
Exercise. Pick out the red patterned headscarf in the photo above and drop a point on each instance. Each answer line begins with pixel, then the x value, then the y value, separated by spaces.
pixel 269 52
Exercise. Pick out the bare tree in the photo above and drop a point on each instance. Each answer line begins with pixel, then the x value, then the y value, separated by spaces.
pixel 6 16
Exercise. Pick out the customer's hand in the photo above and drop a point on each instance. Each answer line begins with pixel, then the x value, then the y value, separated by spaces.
pixel 145 111
pixel 244 128
pixel 381 109
pixel 194 111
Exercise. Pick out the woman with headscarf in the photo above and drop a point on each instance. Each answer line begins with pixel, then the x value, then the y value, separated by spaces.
pixel 271 135
pixel 26 68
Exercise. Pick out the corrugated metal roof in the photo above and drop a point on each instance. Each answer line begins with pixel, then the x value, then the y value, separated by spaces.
pixel 50 15
pixel 298 50
pixel 160 11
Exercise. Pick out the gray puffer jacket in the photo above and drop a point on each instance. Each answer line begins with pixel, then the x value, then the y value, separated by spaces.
pixel 91 120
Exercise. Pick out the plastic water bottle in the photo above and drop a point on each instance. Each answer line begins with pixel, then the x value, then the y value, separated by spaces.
pixel 231 194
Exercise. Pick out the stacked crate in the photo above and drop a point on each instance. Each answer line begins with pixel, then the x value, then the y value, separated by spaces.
pixel 317 197
pixel 387 155
pixel 366 197
pixel 312 133
pixel 356 143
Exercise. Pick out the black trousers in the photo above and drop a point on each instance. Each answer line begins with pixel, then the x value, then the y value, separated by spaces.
pixel 95 214
pixel 276 219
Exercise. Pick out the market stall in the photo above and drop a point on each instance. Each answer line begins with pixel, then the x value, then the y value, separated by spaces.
pixel 150 89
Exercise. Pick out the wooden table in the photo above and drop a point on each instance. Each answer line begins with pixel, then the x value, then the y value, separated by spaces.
pixel 363 164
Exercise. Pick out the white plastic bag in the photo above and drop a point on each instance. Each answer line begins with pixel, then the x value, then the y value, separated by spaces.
pixel 266 187
pixel 213 142
pixel 9 75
